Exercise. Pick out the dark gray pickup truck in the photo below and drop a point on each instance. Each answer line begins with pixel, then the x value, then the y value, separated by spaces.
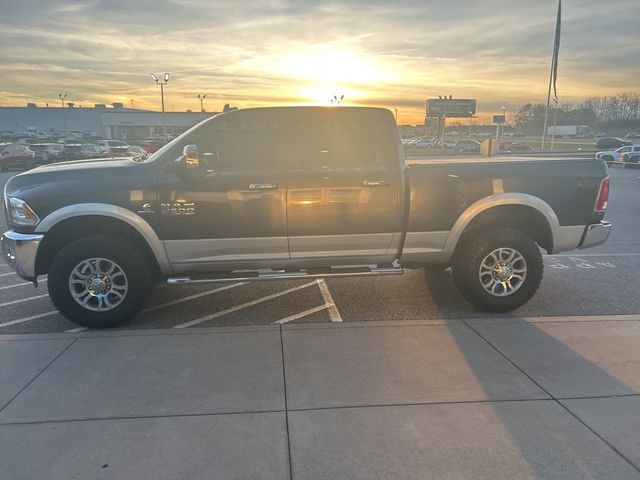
pixel 294 192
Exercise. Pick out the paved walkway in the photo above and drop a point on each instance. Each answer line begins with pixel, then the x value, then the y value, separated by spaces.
pixel 552 398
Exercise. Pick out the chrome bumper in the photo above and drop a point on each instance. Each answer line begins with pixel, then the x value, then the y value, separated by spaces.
pixel 19 250
pixel 595 234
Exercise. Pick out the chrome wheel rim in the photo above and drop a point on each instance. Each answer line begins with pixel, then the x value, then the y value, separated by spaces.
pixel 503 272
pixel 98 284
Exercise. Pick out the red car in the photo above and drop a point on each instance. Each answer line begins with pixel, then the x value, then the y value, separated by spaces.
pixel 17 156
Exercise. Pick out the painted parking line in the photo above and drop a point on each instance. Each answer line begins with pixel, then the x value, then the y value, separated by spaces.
pixel 22 284
pixel 244 305
pixel 334 314
pixel 75 330
pixel 595 255
pixel 13 302
pixel 191 297
pixel 7 274
pixel 27 319
pixel 311 311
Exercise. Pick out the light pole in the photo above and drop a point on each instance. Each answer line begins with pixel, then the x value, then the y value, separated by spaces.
pixel 201 98
pixel 162 83
pixel 396 109
pixel 64 113
pixel 504 115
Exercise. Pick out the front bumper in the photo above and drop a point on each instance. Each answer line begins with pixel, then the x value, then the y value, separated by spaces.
pixel 595 234
pixel 19 250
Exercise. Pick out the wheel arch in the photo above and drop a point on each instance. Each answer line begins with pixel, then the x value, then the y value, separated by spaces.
pixel 71 222
pixel 526 212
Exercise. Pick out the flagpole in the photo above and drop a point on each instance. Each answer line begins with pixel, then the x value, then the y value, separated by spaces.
pixel 553 75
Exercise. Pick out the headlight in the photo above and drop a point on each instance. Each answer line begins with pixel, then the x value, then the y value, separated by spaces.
pixel 21 214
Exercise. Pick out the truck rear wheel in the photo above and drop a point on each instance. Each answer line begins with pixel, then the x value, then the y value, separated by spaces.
pixel 498 270
pixel 99 281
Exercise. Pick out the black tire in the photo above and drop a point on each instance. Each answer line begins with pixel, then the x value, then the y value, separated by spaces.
pixel 477 248
pixel 607 158
pixel 29 163
pixel 114 249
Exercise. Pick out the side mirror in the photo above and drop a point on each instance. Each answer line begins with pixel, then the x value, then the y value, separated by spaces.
pixel 190 154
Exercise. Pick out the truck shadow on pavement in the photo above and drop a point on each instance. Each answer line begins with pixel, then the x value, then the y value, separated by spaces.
pixel 551 438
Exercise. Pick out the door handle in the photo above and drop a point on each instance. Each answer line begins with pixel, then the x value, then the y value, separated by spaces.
pixel 375 183
pixel 262 186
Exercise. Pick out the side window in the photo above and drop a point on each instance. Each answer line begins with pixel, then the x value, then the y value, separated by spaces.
pixel 239 142
pixel 344 139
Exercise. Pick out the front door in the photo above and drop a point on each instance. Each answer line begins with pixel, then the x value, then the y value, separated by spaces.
pixel 232 213
pixel 344 185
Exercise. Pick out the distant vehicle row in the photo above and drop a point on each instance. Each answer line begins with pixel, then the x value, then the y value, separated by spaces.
pixel 32 155
pixel 470 146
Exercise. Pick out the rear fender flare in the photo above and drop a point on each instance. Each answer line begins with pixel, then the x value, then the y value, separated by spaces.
pixel 494 201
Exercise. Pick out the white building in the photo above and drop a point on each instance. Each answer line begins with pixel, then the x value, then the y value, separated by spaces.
pixel 115 122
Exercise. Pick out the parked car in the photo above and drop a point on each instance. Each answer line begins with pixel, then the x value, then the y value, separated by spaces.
pixel 630 157
pixel 113 146
pixel 614 155
pixel 633 135
pixel 46 152
pixel 601 135
pixel 448 144
pixel 14 155
pixel 320 192
pixel 420 143
pixel 515 147
pixel 91 150
pixel 516 133
pixel 467 146
pixel 153 144
pixel 611 143
pixel 137 151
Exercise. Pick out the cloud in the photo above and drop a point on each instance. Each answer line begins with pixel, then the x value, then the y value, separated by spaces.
pixel 264 52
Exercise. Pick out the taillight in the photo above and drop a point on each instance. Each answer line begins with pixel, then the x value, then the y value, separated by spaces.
pixel 603 196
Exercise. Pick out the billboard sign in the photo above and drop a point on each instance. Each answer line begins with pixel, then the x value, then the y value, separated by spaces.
pixel 451 107
pixel 498 119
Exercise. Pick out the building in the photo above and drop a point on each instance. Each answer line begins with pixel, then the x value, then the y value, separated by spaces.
pixel 115 122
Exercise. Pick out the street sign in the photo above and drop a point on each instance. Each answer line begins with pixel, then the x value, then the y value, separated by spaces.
pixel 498 119
pixel 451 107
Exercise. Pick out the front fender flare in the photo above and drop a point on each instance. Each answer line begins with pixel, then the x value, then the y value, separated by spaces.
pixel 113 211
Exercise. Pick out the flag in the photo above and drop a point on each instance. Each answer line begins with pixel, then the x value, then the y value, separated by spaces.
pixel 556 50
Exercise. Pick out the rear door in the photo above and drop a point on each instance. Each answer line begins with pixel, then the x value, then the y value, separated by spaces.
pixel 344 185
pixel 232 214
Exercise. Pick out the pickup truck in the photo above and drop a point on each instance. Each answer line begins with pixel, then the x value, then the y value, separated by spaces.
pixel 294 192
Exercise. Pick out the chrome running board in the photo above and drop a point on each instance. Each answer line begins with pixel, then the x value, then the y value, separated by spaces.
pixel 286 275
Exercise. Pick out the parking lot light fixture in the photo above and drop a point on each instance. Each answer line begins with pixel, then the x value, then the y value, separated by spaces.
pixel 201 98
pixel 162 84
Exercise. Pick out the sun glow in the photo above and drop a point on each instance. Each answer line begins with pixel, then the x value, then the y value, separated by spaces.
pixel 324 71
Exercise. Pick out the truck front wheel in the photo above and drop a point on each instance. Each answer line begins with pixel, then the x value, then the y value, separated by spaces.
pixel 498 270
pixel 99 281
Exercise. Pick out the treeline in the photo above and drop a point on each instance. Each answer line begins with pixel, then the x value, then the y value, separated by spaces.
pixel 617 111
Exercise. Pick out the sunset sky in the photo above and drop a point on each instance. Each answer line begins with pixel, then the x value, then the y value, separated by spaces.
pixel 390 54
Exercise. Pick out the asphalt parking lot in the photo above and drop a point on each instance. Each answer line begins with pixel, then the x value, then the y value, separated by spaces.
pixel 597 282
pixel 382 377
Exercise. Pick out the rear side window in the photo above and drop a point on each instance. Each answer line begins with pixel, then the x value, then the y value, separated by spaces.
pixel 338 138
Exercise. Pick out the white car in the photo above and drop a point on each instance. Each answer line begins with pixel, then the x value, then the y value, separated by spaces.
pixel 113 145
pixel 614 155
